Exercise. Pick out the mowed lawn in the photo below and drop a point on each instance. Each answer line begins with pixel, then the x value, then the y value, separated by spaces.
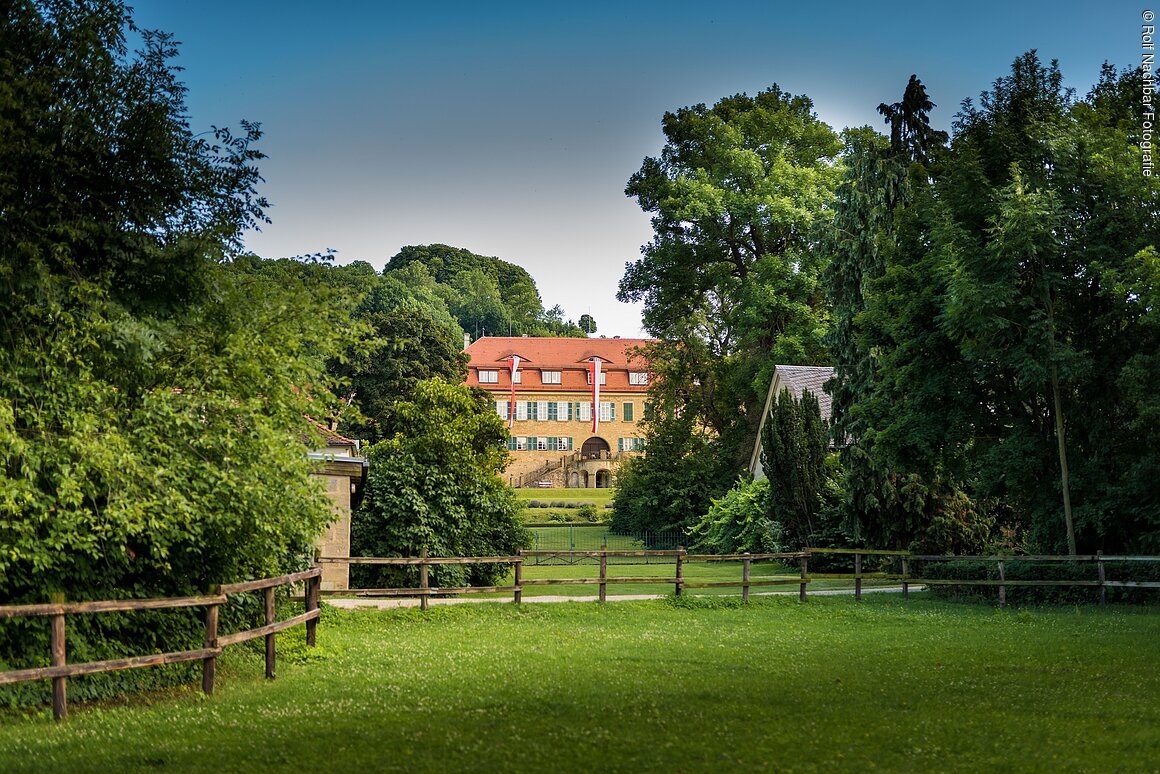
pixel 667 686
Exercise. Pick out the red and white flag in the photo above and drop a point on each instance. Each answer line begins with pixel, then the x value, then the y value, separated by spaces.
pixel 512 403
pixel 595 371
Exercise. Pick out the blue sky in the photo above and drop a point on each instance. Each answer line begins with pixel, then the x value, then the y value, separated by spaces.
pixel 511 128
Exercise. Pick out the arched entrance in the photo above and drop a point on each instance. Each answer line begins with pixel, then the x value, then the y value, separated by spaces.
pixel 594 448
pixel 574 480
pixel 603 479
pixel 584 479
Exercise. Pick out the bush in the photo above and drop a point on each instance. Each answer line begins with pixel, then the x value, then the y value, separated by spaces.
pixel 1015 569
pixel 588 512
pixel 434 484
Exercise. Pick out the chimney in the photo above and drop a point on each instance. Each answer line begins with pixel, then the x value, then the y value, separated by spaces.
pixel 466 340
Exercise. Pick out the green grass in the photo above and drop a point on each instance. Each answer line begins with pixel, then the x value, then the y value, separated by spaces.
pixel 656 686
pixel 693 572
pixel 602 497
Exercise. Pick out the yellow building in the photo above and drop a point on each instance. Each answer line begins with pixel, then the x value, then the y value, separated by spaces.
pixel 573 406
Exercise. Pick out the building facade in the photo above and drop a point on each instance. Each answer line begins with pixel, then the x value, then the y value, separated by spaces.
pixel 343 471
pixel 573 406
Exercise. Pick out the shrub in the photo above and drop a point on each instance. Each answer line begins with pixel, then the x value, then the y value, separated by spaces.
pixel 588 512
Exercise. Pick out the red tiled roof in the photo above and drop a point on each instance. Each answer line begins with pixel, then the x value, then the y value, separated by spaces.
pixel 568 356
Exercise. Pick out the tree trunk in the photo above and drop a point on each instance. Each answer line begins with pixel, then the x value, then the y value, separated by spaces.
pixel 1063 460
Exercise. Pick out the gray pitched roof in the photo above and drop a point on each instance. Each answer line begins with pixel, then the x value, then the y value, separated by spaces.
pixel 796 379
pixel 799 378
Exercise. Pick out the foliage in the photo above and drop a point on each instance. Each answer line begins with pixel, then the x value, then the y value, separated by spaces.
pixel 992 315
pixel 673 483
pixel 433 484
pixel 738 521
pixel 802 490
pixel 587 324
pixel 152 395
pixel 486 295
pixel 730 282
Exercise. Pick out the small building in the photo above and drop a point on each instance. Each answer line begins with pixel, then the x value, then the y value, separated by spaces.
pixel 573 405
pixel 343 471
pixel 796 379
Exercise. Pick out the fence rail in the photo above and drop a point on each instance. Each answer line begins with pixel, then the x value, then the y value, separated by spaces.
pixel 58 610
pixel 680 558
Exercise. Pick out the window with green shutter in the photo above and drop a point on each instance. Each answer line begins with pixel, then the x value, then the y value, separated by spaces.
pixel 553 411
pixel 648 412
pixel 627 412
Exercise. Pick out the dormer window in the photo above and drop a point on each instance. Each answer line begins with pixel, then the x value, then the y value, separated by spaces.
pixel 488 377
pixel 603 377
pixel 638 377
pixel 550 377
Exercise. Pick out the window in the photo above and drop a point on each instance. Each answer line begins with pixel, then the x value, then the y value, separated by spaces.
pixel 518 377
pixel 637 377
pixel 607 412
pixel 550 377
pixel 521 443
pixel 603 377
pixel 648 412
pixel 542 410
pixel 488 377
pixel 564 444
pixel 541 444
pixel 553 411
pixel 627 412
pixel 564 410
pixel 521 409
pixel 584 414
pixel 502 408
pixel 511 444
pixel 630 444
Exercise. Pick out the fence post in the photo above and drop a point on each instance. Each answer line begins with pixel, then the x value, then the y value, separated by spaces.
pixel 905 576
pixel 209 664
pixel 805 574
pixel 423 579
pixel 857 577
pixel 1100 570
pixel 271 616
pixel 313 593
pixel 518 594
pixel 59 658
pixel 1002 586
pixel 680 580
pixel 603 574
pixel 745 577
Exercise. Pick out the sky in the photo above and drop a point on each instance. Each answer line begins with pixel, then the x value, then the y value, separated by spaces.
pixel 511 128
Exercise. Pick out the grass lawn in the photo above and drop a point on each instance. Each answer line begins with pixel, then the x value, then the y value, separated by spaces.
pixel 602 497
pixel 693 572
pixel 656 686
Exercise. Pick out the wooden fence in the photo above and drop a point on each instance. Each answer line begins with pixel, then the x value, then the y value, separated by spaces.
pixel 424 591
pixel 214 644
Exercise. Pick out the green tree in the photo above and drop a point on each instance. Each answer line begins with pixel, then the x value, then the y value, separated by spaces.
pixel 152 395
pixel 433 483
pixel 587 324
pixel 730 282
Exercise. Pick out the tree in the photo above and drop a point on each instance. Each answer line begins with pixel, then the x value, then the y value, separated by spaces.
pixel 433 484
pixel 994 320
pixel 730 279
pixel 152 396
pixel 587 324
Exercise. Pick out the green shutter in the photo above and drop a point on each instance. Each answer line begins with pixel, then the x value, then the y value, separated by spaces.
pixel 627 412
pixel 612 412
pixel 620 444
pixel 648 412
